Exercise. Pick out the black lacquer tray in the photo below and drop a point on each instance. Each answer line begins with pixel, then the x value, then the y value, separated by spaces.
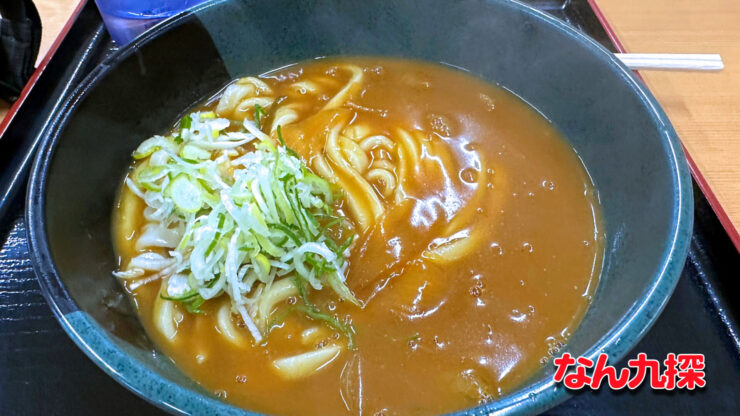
pixel 43 373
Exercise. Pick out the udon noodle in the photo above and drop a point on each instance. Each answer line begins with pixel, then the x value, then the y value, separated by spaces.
pixel 363 236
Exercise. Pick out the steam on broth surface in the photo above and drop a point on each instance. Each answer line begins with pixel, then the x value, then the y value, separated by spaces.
pixel 359 236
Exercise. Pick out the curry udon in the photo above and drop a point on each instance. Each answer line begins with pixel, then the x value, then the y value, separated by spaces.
pixel 359 236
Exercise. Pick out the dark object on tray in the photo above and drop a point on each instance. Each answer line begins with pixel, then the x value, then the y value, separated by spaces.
pixel 20 37
pixel 42 371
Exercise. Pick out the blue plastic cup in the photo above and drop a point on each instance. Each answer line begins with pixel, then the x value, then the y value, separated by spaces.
pixel 127 19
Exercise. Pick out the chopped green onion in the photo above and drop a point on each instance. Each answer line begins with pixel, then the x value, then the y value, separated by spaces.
pixel 346 244
pixel 193 153
pixel 186 122
pixel 217 237
pixel 185 194
pixel 329 224
pixel 287 231
pixel 262 266
pixel 247 219
pixel 259 112
pixel 280 136
pixel 151 145
pixel 181 298
pixel 193 306
pixel 149 176
pixel 347 330
pixel 191 300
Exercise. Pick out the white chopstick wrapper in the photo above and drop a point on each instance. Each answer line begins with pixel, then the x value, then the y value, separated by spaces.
pixel 672 61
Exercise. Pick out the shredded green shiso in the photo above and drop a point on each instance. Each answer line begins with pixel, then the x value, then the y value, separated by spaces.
pixel 240 219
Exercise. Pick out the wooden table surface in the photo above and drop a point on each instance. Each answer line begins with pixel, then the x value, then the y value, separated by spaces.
pixel 704 107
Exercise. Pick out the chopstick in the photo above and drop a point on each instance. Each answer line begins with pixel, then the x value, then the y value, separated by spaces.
pixel 672 61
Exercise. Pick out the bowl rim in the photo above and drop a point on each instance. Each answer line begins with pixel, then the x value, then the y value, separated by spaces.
pixel 169 396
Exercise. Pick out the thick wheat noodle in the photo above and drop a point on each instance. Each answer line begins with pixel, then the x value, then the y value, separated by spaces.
pixel 164 312
pixel 312 334
pixel 327 81
pixel 456 247
pixel 356 157
pixel 408 160
pixel 303 87
pixel 303 365
pixel 200 344
pixel 260 85
pixel 361 191
pixel 284 116
pixel 278 292
pixel 364 217
pixel 226 327
pixel 350 88
pixel 248 104
pixel 403 169
pixel 322 168
pixel 412 147
pixel 356 132
pixel 462 223
pixel 167 271
pixel 383 164
pixel 373 142
pixel 383 177
pixel 462 217
pixel 234 95
pixel 129 205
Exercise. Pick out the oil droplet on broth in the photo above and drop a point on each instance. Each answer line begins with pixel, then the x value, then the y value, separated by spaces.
pixel 548 185
pixel 469 175
pixel 527 247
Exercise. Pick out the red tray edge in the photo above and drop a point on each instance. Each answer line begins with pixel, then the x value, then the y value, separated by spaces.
pixel 10 115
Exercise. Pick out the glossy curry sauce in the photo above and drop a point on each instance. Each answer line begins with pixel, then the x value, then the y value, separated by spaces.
pixel 432 338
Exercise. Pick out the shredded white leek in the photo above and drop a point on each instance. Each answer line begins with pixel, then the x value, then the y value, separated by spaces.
pixel 241 220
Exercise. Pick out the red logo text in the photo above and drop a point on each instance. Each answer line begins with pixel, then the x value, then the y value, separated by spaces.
pixel 679 371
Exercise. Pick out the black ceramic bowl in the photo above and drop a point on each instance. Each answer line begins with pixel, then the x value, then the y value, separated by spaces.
pixel 615 125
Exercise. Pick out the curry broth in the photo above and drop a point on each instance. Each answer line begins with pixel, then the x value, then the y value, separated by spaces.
pixel 431 338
